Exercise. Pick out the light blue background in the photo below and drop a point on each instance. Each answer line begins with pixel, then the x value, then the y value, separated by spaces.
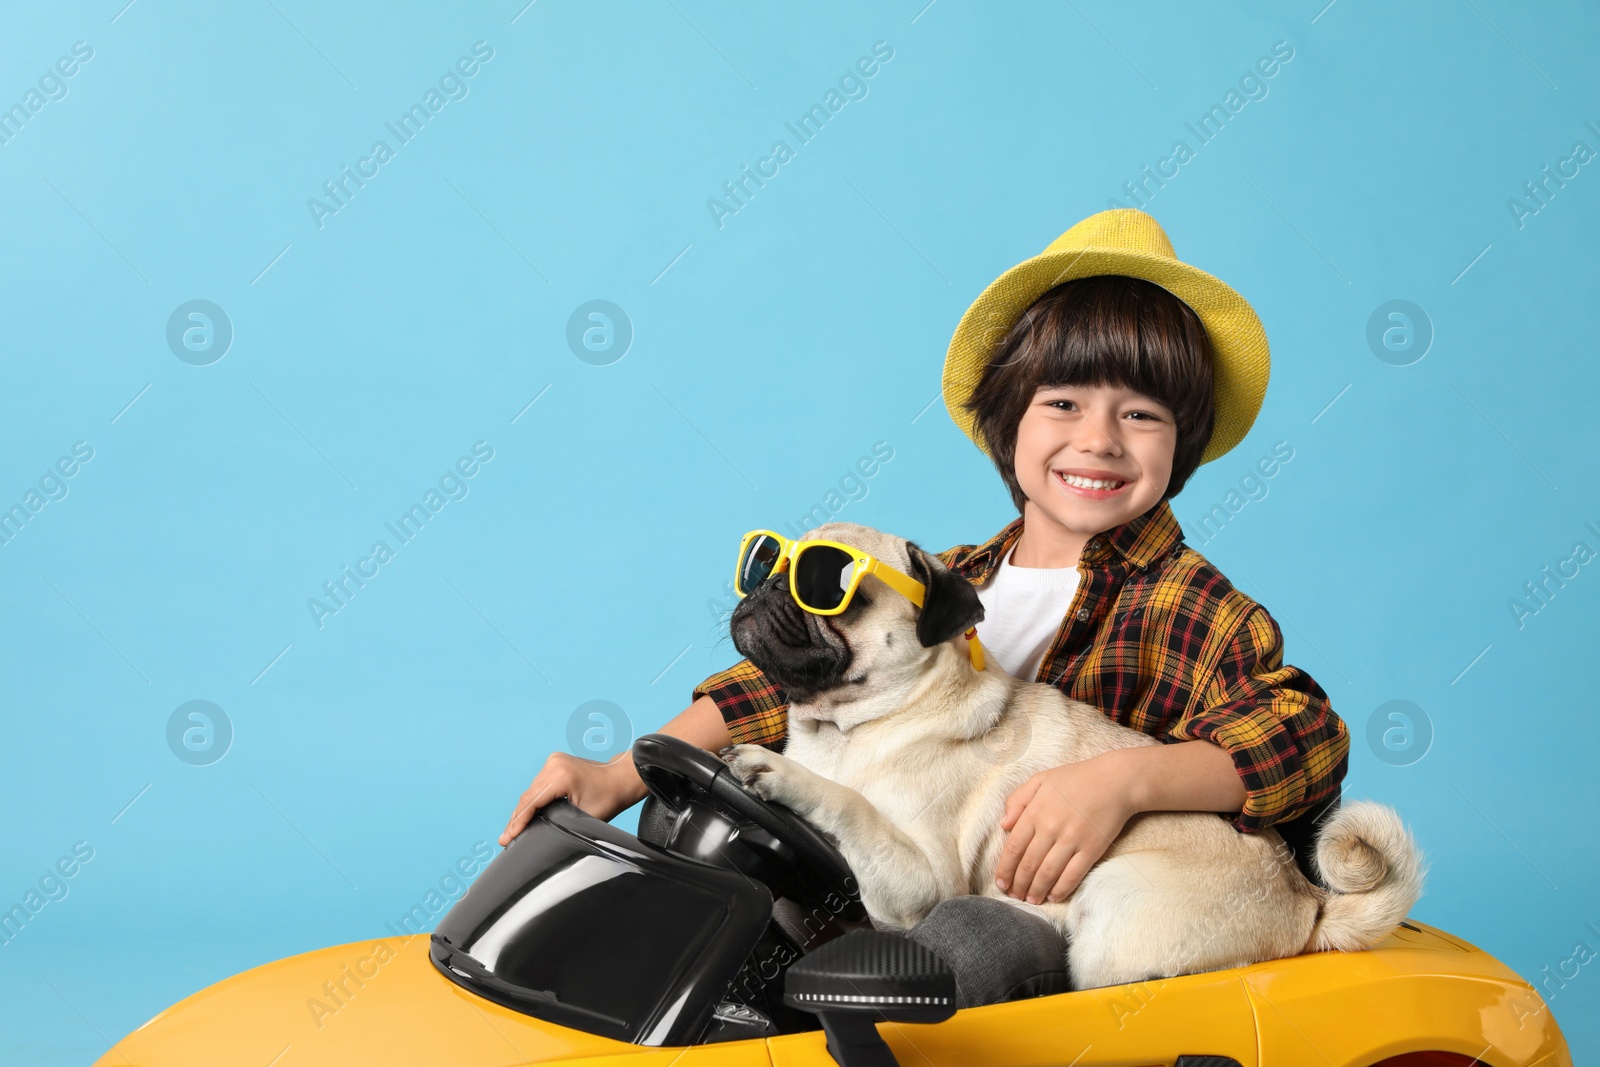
pixel 769 354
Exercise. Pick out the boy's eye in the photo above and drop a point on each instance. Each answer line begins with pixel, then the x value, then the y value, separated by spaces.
pixel 1142 415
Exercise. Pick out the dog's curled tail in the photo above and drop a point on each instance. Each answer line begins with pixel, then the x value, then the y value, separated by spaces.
pixel 1373 870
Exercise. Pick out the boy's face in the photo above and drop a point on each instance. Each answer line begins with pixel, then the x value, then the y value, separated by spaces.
pixel 1091 457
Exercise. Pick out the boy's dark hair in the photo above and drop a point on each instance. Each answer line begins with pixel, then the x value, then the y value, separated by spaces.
pixel 1105 330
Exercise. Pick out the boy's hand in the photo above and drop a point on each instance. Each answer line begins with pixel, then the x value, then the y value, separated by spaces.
pixel 598 789
pixel 1060 822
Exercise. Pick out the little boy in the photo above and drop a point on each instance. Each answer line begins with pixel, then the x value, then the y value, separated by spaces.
pixel 1097 376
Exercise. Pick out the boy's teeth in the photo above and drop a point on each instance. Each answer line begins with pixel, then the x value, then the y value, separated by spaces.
pixel 1091 483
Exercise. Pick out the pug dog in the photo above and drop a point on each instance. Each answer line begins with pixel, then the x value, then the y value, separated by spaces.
pixel 903 755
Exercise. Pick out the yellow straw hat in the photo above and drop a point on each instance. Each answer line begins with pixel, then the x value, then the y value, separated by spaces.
pixel 1128 242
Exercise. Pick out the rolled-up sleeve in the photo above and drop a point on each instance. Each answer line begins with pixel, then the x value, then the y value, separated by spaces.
pixel 754 707
pixel 1291 750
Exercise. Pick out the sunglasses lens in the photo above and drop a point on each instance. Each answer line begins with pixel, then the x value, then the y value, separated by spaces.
pixel 760 556
pixel 822 575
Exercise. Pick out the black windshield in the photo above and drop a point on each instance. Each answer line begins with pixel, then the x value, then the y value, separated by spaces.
pixel 582 924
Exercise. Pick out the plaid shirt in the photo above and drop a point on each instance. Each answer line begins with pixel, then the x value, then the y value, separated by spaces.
pixel 1159 641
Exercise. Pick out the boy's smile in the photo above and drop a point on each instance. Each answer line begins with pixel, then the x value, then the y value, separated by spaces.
pixel 1088 458
pixel 1092 484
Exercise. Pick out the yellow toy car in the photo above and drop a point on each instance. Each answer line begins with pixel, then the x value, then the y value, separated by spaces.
pixel 737 942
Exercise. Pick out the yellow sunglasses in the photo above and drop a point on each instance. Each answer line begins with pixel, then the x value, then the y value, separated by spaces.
pixel 824 575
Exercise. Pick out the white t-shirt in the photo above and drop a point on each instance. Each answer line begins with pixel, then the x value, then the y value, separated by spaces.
pixel 1022 612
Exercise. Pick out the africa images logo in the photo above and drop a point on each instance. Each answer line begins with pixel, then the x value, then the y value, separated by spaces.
pixel 452 485
pixel 852 85
pixel 452 86
pixel 1207 127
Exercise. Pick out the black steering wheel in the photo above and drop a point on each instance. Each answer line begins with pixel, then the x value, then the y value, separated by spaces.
pixel 788 853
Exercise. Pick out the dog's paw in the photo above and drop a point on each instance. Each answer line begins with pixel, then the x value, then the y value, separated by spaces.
pixel 758 769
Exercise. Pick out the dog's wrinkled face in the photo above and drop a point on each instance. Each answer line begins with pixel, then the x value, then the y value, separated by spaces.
pixel 881 639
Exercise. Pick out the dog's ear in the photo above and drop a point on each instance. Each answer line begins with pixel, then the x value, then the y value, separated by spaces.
pixel 950 604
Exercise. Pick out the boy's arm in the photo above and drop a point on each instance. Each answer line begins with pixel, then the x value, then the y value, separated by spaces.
pixel 1288 746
